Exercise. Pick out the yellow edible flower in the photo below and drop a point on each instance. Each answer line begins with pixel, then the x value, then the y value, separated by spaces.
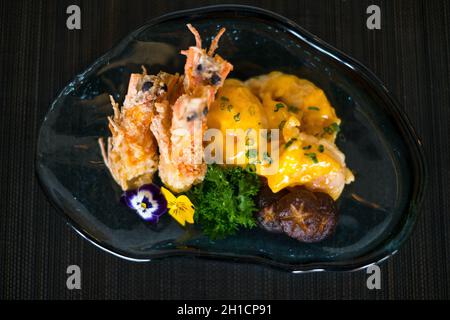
pixel 180 208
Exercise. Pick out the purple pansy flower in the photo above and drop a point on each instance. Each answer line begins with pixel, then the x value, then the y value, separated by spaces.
pixel 147 201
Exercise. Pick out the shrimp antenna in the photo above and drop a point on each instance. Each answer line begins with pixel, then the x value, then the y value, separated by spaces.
pixel 198 40
pixel 215 42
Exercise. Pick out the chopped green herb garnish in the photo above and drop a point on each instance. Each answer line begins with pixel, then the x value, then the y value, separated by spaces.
pixel 321 148
pixel 281 125
pixel 237 117
pixel 336 127
pixel 229 107
pixel 314 108
pixel 312 156
pixel 278 106
pixel 332 128
pixel 223 98
pixel 293 109
pixel 291 141
pixel 307 147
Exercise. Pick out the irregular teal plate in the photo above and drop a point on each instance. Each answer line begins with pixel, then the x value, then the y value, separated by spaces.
pixel 378 210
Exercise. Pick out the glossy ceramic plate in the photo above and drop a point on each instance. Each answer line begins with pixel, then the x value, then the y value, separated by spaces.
pixel 377 211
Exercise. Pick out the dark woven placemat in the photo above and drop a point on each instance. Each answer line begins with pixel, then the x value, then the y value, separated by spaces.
pixel 411 54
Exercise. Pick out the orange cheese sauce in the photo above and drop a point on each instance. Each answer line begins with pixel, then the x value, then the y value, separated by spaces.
pixel 308 126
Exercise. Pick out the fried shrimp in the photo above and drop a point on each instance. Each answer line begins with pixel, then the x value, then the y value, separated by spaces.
pixel 131 153
pixel 165 112
pixel 179 128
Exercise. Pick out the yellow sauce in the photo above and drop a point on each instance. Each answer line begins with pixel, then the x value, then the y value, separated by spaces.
pixel 236 108
pixel 307 123
pixel 285 95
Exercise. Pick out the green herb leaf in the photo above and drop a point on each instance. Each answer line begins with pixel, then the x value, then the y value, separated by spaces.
pixel 237 117
pixel 225 201
pixel 336 127
pixel 314 108
pixel 281 125
pixel 332 128
pixel 312 156
pixel 278 106
pixel 307 147
pixel 223 98
pixel 321 148
pixel 291 141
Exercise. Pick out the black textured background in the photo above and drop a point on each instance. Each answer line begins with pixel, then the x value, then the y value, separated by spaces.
pixel 411 54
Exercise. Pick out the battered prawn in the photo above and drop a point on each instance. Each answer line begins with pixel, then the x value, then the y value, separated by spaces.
pixel 179 129
pixel 131 153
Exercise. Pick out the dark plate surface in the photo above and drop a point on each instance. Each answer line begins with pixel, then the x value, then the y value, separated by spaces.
pixel 378 210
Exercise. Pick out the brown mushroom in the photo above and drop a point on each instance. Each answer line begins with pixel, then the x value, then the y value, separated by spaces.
pixel 267 217
pixel 300 213
pixel 307 216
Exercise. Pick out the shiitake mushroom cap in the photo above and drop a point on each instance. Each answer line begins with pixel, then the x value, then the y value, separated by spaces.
pixel 298 212
pixel 307 216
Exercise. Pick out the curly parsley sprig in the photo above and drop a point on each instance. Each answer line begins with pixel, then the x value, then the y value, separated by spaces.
pixel 225 202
